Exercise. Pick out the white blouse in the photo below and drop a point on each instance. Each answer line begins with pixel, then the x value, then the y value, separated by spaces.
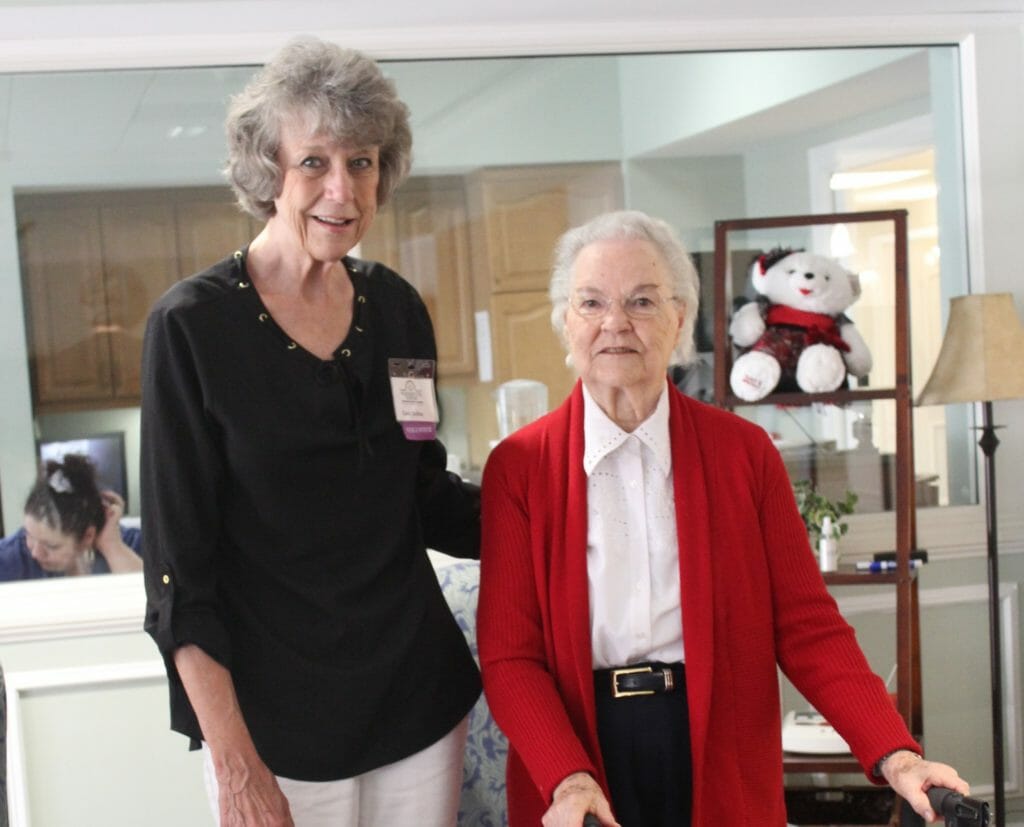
pixel 632 548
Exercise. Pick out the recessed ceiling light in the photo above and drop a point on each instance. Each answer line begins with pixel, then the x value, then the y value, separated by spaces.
pixel 179 131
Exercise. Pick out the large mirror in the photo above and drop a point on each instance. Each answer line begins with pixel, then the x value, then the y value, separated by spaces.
pixel 112 189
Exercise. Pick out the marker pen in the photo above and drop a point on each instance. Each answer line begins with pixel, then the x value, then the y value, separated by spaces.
pixel 883 565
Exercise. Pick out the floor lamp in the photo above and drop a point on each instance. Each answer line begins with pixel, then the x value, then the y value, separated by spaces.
pixel 981 361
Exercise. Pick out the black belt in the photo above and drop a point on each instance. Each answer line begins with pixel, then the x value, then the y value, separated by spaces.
pixel 639 679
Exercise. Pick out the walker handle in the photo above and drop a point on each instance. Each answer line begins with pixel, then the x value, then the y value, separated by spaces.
pixel 958 810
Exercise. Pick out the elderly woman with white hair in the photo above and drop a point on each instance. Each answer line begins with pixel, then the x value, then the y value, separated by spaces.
pixel 645 571
pixel 289 495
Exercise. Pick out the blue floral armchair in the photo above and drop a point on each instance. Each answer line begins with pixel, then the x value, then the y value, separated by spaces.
pixel 483 779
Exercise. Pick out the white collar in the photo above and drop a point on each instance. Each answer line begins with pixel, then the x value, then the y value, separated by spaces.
pixel 601 435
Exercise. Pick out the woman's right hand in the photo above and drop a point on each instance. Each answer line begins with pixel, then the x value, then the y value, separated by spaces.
pixel 249 794
pixel 577 795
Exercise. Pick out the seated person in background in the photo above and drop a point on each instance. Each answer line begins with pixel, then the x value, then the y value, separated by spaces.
pixel 71 527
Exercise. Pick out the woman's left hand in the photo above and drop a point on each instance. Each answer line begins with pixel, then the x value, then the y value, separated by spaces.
pixel 911 776
pixel 113 505
pixel 113 508
pixel 109 543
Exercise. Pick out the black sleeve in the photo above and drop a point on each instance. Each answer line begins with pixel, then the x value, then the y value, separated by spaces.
pixel 449 507
pixel 180 470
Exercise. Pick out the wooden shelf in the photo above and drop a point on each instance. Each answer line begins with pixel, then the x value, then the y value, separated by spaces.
pixel 851 577
pixel 838 397
pixel 900 479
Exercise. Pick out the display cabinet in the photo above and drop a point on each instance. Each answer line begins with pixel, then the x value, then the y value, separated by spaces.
pixel 857 437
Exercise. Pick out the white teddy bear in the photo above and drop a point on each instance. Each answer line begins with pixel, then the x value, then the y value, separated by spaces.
pixel 796 336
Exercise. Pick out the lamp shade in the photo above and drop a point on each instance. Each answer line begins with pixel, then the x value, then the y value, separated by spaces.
pixel 982 354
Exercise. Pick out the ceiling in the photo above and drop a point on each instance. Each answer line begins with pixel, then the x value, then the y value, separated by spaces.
pixel 48 19
pixel 163 126
pixel 462 11
pixel 143 108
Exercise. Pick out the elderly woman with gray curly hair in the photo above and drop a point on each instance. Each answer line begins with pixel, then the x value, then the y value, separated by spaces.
pixel 289 495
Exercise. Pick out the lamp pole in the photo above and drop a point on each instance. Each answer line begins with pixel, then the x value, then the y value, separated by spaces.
pixel 988 443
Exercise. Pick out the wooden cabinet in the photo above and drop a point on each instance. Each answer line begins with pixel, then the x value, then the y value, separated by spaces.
pixel 92 265
pixel 138 266
pixel 519 213
pixel 523 211
pixel 66 303
pixel 423 234
pixel 893 224
pixel 484 242
pixel 525 344
pixel 209 225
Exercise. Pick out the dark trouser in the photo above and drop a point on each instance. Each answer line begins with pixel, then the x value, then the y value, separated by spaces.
pixel 645 744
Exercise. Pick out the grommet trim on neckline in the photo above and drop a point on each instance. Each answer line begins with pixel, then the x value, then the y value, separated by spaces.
pixel 263 317
pixel 358 329
pixel 292 346
pixel 346 353
pixel 239 258
pixel 361 299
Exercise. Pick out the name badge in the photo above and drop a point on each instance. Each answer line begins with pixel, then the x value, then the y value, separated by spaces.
pixel 412 391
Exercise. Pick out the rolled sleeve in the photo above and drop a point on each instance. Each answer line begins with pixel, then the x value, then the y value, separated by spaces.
pixel 180 471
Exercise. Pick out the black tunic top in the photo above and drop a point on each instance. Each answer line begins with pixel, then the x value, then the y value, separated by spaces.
pixel 286 519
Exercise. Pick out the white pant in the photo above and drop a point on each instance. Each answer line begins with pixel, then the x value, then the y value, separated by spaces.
pixel 421 789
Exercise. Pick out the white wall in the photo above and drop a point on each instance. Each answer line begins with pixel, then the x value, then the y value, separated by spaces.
pixel 672 98
pixel 88 742
pixel 17 456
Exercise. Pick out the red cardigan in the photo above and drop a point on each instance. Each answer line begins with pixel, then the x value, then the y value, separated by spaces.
pixel 752 598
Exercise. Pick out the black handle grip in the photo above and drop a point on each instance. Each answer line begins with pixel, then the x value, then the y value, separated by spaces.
pixel 591 820
pixel 958 810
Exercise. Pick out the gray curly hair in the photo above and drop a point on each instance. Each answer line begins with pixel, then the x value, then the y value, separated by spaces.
pixel 628 224
pixel 337 91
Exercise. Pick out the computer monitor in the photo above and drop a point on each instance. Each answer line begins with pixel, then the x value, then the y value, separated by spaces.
pixel 106 452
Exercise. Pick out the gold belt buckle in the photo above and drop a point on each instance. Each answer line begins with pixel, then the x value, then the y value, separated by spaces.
pixel 618 693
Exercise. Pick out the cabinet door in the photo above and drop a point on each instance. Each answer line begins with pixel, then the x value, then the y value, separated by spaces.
pixel 523 211
pixel 210 227
pixel 525 344
pixel 139 264
pixel 66 303
pixel 381 241
pixel 423 234
pixel 434 251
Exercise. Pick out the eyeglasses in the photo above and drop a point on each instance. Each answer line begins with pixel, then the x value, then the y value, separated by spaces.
pixel 643 305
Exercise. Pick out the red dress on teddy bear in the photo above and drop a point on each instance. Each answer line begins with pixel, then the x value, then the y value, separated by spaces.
pixel 796 336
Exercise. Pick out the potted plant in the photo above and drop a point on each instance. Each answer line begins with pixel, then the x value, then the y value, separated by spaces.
pixel 815 507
